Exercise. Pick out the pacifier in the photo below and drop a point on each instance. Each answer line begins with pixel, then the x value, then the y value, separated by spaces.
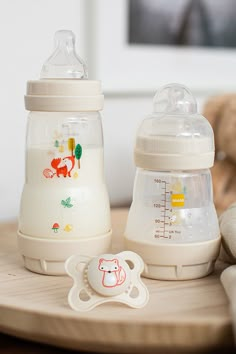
pixel 106 278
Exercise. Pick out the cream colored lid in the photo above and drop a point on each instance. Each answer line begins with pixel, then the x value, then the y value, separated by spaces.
pixel 64 95
pixel 173 153
pixel 175 136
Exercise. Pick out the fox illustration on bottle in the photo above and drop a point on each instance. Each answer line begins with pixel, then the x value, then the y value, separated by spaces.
pixel 113 273
pixel 62 166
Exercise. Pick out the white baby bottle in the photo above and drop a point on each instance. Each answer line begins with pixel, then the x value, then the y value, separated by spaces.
pixel 172 222
pixel 64 206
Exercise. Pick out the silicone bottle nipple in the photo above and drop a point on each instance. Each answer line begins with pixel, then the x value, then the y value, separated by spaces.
pixel 174 99
pixel 64 63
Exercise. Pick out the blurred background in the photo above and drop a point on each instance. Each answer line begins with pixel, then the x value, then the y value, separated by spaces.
pixel 134 47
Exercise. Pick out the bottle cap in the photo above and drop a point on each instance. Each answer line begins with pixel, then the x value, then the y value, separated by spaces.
pixel 174 136
pixel 63 84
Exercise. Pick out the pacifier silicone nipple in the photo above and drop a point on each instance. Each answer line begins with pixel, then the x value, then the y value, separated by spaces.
pixel 64 63
pixel 174 99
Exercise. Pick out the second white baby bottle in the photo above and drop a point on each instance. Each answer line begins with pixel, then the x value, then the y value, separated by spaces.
pixel 64 206
pixel 172 221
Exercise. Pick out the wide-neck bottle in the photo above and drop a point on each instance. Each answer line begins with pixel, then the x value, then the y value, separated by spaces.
pixel 172 221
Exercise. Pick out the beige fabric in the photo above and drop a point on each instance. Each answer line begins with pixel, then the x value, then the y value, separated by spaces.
pixel 228 279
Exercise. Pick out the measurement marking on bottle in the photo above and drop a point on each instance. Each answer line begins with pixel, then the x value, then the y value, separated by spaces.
pixel 156 205
pixel 158 235
pixel 164 221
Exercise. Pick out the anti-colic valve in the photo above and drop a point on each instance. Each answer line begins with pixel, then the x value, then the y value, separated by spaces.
pixel 172 222
pixel 64 205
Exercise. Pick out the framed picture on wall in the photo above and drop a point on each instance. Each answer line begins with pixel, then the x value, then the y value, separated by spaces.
pixel 138 45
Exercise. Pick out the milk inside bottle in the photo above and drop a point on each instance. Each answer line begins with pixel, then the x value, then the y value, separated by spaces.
pixel 64 205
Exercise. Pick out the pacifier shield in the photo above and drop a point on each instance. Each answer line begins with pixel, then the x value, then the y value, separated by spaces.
pixel 106 278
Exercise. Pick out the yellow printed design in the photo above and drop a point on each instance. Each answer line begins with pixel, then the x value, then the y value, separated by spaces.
pixel 177 200
pixel 177 187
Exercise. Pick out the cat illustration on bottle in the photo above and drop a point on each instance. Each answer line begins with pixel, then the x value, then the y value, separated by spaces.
pixel 113 273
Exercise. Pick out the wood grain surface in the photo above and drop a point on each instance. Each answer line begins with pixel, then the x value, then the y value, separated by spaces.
pixel 180 316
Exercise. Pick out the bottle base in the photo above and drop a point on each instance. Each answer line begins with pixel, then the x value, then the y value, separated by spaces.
pixel 48 257
pixel 177 261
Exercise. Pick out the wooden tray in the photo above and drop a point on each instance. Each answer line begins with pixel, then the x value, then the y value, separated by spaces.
pixel 180 315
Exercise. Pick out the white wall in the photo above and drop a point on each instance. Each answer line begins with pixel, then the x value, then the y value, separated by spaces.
pixel 26 32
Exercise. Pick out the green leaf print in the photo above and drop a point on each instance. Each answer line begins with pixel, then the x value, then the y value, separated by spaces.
pixel 67 203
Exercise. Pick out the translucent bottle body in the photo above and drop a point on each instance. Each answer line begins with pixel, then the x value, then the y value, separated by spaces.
pixel 64 195
pixel 172 208
pixel 172 222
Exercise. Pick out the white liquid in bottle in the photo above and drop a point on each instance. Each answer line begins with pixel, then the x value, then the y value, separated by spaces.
pixel 73 203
